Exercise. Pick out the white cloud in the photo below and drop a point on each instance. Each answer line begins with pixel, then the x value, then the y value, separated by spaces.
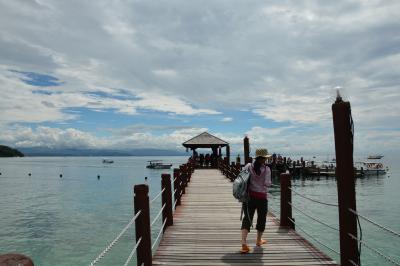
pixel 52 138
pixel 227 119
pixel 20 136
pixel 280 60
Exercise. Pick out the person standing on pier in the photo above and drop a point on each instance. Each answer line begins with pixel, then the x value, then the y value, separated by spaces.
pixel 260 180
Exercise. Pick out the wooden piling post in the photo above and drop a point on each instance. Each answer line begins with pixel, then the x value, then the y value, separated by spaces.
pixel 238 167
pixel 142 224
pixel 343 129
pixel 187 173
pixel 167 200
pixel 246 146
pixel 177 187
pixel 286 197
pixel 233 171
pixel 15 259
pixel 182 178
pixel 228 152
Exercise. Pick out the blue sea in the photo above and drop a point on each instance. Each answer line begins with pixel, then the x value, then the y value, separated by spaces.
pixel 69 220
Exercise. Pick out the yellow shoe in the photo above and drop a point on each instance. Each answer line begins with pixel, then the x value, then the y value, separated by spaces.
pixel 262 242
pixel 245 249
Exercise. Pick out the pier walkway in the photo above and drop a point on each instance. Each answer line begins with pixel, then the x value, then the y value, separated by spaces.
pixel 206 231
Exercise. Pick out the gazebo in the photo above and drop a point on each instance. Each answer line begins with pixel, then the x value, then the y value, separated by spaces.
pixel 206 140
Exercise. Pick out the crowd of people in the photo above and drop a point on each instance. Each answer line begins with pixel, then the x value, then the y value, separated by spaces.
pixel 206 160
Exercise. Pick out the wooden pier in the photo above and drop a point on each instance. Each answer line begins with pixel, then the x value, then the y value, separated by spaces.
pixel 206 231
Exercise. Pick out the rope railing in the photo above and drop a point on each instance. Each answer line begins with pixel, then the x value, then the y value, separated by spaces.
pixel 159 234
pixel 271 197
pixel 158 215
pixel 274 211
pixel 157 196
pixel 353 263
pixel 375 223
pixel 132 252
pixel 389 259
pixel 314 200
pixel 313 218
pixel 110 246
pixel 312 237
pixel 143 204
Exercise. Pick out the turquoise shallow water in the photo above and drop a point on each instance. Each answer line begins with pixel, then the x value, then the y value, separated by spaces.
pixel 70 220
pixel 377 198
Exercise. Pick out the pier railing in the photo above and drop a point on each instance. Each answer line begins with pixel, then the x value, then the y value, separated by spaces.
pixel 144 247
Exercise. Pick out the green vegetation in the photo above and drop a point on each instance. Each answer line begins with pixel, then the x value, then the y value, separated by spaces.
pixel 6 151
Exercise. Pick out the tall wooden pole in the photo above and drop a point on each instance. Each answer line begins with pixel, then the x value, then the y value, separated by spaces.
pixel 228 153
pixel 142 224
pixel 246 146
pixel 343 128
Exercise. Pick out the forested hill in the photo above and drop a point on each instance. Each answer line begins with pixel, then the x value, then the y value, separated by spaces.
pixel 6 151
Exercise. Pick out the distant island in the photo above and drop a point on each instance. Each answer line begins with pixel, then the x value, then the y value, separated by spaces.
pixel 6 151
pixel 45 151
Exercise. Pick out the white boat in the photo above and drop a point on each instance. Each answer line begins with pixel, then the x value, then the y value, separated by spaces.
pixel 158 164
pixel 375 157
pixel 371 168
pixel 107 161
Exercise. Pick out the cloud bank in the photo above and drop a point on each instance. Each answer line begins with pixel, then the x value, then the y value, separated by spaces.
pixel 193 61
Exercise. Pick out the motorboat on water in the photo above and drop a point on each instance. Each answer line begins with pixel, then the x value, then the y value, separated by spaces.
pixel 375 157
pixel 158 164
pixel 371 167
pixel 107 161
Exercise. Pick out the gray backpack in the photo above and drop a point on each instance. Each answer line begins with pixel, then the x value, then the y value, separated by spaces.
pixel 240 190
pixel 240 186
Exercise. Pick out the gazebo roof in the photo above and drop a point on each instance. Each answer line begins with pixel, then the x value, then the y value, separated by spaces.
pixel 204 140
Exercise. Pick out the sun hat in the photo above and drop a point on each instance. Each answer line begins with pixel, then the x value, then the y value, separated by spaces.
pixel 262 153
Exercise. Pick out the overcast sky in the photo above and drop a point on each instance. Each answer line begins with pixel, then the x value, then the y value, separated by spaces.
pixel 129 74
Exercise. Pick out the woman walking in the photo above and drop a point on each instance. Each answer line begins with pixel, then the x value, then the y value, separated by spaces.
pixel 260 179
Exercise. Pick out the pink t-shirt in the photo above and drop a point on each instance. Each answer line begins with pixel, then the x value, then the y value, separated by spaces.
pixel 259 183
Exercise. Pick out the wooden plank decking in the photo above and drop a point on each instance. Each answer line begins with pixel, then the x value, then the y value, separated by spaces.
pixel 206 231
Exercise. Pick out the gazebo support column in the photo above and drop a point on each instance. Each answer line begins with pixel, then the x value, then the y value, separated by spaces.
pixel 228 153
